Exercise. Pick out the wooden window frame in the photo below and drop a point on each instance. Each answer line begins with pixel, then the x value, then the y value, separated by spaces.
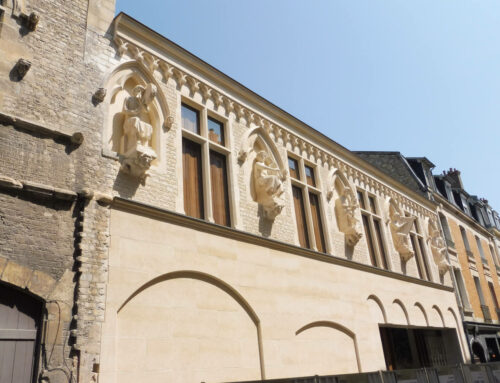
pixel 381 257
pixel 208 146
pixel 306 189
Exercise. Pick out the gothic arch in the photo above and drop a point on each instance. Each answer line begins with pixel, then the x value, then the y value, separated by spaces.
pixel 346 204
pixel 338 327
pixel 216 282
pixel 438 310
pixel 265 171
pixel 419 305
pixel 39 284
pixel 259 136
pixel 118 85
pixel 402 306
pixel 379 303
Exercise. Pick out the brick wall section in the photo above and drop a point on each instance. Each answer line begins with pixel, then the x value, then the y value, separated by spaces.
pixel 37 232
pixel 482 271
pixel 31 156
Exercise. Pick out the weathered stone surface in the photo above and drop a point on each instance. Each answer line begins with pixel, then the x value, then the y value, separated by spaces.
pixel 41 284
pixel 16 274
pixel 10 183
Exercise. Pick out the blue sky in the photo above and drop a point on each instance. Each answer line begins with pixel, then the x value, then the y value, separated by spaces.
pixel 420 77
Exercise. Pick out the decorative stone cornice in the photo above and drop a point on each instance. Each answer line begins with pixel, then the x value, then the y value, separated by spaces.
pixel 247 116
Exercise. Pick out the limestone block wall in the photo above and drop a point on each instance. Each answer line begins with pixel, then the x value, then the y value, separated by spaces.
pixel 177 82
pixel 197 306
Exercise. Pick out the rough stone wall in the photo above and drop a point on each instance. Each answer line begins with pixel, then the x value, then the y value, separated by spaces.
pixel 37 232
pixel 42 170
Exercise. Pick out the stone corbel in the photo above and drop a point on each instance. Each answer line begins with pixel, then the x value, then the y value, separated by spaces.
pixel 30 22
pixel 437 245
pixel 400 227
pixel 21 68
pixel 169 122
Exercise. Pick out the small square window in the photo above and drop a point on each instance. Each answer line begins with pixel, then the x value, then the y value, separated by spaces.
pixel 190 119
pixel 215 131
pixel 294 168
pixel 310 176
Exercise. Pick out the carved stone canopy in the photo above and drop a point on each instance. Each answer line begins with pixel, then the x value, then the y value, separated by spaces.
pixel 346 205
pixel 438 246
pixel 400 226
pixel 267 175
pixel 137 115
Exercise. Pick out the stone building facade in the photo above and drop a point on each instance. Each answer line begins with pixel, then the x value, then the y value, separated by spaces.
pixel 469 228
pixel 172 225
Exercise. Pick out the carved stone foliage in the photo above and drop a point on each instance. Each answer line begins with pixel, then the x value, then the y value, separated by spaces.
pixel 400 228
pixel 438 246
pixel 136 114
pixel 346 205
pixel 267 175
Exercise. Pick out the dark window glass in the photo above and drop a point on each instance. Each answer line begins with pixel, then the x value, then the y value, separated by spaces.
pixel 369 240
pixel 493 295
pixel 378 230
pixel 310 176
pixel 479 290
pixel 190 119
pixel 193 185
pixel 373 208
pixel 417 258
pixel 480 248
pixel 216 131
pixel 294 168
pixel 464 239
pixel 424 256
pixel 361 200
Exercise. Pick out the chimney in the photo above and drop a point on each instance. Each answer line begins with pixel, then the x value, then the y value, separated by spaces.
pixel 453 177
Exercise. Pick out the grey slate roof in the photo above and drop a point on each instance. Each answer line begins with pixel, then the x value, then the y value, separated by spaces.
pixel 395 165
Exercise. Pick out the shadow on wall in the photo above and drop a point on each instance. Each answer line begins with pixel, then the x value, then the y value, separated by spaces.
pixel 126 185
pixel 265 225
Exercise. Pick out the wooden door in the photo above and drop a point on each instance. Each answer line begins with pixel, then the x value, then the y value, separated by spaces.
pixel 19 323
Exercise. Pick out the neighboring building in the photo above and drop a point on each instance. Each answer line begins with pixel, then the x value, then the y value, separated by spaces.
pixel 161 222
pixel 469 229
